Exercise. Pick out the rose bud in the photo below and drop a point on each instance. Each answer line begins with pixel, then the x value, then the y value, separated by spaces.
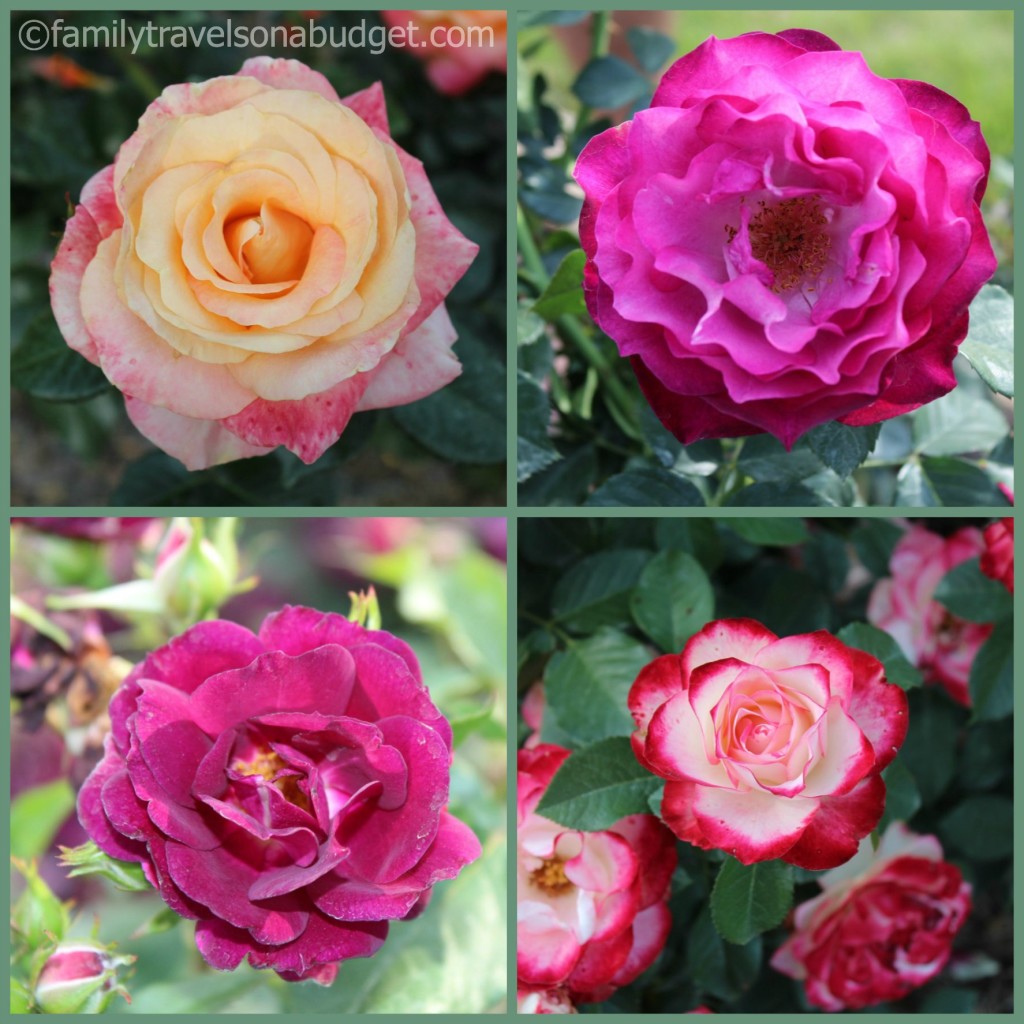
pixel 592 913
pixel 286 790
pixel 80 977
pixel 939 643
pixel 783 238
pixel 883 926
pixel 771 747
pixel 543 1000
pixel 260 262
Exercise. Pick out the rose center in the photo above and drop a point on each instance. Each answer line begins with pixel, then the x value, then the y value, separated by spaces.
pixel 270 246
pixel 791 239
pixel 551 878
pixel 759 737
pixel 268 764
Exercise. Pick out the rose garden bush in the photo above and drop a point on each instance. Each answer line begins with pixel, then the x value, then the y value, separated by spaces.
pixel 789 249
pixel 784 743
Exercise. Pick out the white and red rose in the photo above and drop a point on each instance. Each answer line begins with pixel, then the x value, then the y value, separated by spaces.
pixel 883 925
pixel 770 747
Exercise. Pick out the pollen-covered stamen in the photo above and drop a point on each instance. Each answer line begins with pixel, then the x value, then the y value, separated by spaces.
pixel 270 765
pixel 551 878
pixel 791 239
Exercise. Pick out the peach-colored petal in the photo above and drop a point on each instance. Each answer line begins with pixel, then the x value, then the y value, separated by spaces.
pixel 675 747
pixel 196 443
pixel 421 363
pixel 139 363
pixel 848 756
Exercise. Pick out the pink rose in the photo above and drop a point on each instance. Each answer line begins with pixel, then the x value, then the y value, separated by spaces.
pixel 997 558
pixel 260 262
pixel 460 48
pixel 883 926
pixel 771 747
pixel 286 790
pixel 784 238
pixel 532 710
pixel 939 643
pixel 591 905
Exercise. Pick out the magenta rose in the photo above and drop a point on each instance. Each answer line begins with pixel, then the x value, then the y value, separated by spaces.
pixel 541 1000
pixel 784 238
pixel 938 642
pixel 771 748
pixel 591 905
pixel 883 926
pixel 260 262
pixel 286 790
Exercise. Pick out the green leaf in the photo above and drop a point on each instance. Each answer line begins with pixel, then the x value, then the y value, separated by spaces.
pixel 474 591
pixel 956 424
pixel 529 326
pixel 595 592
pixel 934 724
pixel 989 343
pixel 586 687
pixel 44 366
pixel 551 202
pixel 750 899
pixel 564 293
pixel 718 968
pixel 874 540
pixel 89 859
pixel 771 531
pixel 639 487
pixel 37 815
pixel 842 448
pixel 598 785
pixel 535 449
pixel 902 797
pixel 880 645
pixel 650 48
pixel 967 592
pixel 944 481
pixel 981 828
pixel 673 599
pixel 608 82
pixel 465 421
pixel 565 482
pixel 774 494
pixel 697 537
pixel 991 682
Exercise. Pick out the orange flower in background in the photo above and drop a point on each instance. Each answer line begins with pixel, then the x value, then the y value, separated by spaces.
pixel 460 48
pixel 68 74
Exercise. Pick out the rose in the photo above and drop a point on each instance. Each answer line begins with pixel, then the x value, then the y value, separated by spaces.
pixel 883 925
pixel 997 558
pixel 770 747
pixel 784 238
pixel 460 48
pixel 540 1000
pixel 938 642
pixel 591 905
pixel 80 977
pixel 286 790
pixel 260 262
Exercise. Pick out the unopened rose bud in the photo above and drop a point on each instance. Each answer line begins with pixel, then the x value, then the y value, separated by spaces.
pixel 80 977
pixel 194 575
